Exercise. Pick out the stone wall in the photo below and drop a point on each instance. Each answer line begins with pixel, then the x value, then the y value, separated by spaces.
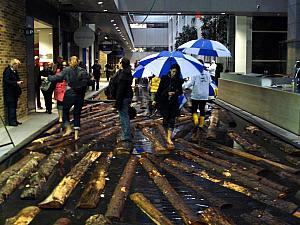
pixel 13 45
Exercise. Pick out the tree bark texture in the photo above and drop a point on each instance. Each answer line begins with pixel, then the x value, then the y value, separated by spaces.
pixel 16 179
pixel 117 201
pixel 91 194
pixel 188 216
pixel 63 190
pixel 240 140
pixel 154 140
pixel 213 123
pixel 146 206
pixel 97 219
pixel 62 221
pixel 38 180
pixel 24 217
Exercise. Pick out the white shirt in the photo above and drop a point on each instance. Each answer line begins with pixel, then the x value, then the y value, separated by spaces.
pixel 212 69
pixel 200 86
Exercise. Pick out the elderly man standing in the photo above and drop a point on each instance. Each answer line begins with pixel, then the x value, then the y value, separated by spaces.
pixel 12 91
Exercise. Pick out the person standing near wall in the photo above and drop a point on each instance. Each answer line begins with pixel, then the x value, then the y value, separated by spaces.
pixel 97 73
pixel 49 92
pixel 12 91
pixel 212 70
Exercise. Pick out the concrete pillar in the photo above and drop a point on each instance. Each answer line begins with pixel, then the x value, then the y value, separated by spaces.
pixel 243 44
pixel 293 39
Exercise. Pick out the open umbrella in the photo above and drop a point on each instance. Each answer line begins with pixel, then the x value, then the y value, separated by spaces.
pixel 160 63
pixel 205 47
pixel 141 72
pixel 213 89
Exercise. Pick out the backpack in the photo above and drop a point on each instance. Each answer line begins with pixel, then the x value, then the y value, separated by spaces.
pixel 82 81
pixel 111 90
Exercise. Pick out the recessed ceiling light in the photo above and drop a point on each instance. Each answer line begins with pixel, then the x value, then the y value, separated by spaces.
pixel 112 21
pixel 105 10
pixel 223 13
pixel 179 13
pixel 99 3
pixel 115 24
pixel 105 38
pixel 117 28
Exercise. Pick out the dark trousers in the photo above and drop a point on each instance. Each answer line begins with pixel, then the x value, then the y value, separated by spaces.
pixel 199 104
pixel 38 97
pixel 69 101
pixel 48 100
pixel 97 80
pixel 12 112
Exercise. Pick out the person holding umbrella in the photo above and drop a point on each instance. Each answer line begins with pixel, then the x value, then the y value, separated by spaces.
pixel 166 100
pixel 200 92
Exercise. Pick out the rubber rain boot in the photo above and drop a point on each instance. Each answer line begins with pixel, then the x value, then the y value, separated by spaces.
pixel 170 144
pixel 60 114
pixel 76 134
pixel 68 130
pixel 201 121
pixel 195 119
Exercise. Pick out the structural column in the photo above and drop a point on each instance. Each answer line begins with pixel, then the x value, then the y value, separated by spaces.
pixel 293 40
pixel 243 44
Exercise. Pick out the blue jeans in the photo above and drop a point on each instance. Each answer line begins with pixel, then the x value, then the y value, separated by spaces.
pixel 125 121
pixel 71 99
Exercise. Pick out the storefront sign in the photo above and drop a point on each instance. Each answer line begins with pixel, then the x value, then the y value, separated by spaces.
pixel 84 37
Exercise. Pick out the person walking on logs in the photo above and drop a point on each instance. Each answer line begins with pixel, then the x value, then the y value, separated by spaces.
pixel 124 96
pixel 97 73
pixel 12 91
pixel 199 85
pixel 166 100
pixel 77 80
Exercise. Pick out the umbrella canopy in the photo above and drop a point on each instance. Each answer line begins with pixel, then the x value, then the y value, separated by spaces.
pixel 141 72
pixel 205 47
pixel 213 89
pixel 160 63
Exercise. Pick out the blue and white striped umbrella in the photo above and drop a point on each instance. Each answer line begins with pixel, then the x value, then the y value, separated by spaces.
pixel 205 47
pixel 141 72
pixel 160 63
pixel 213 89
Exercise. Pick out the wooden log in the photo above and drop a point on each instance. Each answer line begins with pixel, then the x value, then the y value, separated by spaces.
pixel 212 199
pixel 234 162
pixel 286 206
pixel 161 131
pixel 63 190
pixel 184 130
pixel 251 220
pixel 54 129
pixel 188 216
pixel 16 179
pixel 38 180
pixel 62 221
pixel 255 158
pixel 213 123
pixel 154 140
pixel 240 140
pixel 24 217
pixel 266 217
pixel 233 175
pixel 246 173
pixel 227 118
pixel 97 219
pixel 91 194
pixel 146 206
pixel 5 174
pixel 117 201
pixel 215 216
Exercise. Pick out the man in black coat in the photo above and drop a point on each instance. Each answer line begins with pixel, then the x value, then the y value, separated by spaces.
pixel 97 73
pixel 12 91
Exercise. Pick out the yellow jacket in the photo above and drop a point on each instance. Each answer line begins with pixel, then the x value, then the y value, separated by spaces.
pixel 154 84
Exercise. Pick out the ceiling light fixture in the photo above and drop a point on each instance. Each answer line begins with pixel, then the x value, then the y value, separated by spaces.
pixel 112 21
pixel 99 3
pixel 105 10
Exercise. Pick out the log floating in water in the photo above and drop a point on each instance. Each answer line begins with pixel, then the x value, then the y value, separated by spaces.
pixel 97 219
pixel 146 206
pixel 154 140
pixel 233 175
pixel 62 191
pixel 38 179
pixel 240 140
pixel 62 221
pixel 117 201
pixel 24 217
pixel 255 158
pixel 213 122
pixel 277 203
pixel 188 216
pixel 91 194
pixel 15 180
pixel 217 202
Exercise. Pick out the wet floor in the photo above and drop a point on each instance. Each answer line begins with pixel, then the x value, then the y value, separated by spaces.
pixel 240 203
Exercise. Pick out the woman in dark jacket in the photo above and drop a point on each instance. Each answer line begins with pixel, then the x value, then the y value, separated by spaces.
pixel 123 100
pixel 166 100
pixel 12 91
pixel 47 93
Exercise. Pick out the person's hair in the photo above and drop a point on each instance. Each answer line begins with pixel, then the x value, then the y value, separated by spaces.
pixel 298 64
pixel 177 67
pixel 125 63
pixel 73 62
pixel 14 62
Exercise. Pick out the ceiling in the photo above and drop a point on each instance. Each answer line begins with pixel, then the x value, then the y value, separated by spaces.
pixel 101 15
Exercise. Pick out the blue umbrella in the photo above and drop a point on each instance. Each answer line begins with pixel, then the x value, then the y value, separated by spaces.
pixel 141 72
pixel 160 63
pixel 205 47
pixel 213 89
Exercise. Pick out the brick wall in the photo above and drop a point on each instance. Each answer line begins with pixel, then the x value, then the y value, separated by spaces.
pixel 13 45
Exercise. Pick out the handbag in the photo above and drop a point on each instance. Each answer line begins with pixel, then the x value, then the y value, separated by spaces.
pixel 45 85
